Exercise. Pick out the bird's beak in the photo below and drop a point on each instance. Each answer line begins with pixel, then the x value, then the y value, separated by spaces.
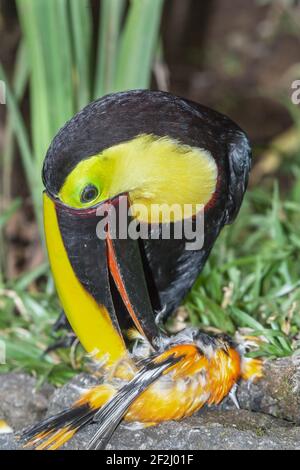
pixel 91 270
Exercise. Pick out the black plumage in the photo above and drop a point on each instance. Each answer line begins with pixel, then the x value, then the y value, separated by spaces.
pixel 170 269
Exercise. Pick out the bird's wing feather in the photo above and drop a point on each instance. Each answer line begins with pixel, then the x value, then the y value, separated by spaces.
pixel 110 415
pixel 239 161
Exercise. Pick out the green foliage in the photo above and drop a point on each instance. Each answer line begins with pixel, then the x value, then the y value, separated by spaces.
pixel 137 48
pixel 56 56
pixel 4 218
pixel 257 260
pixel 26 319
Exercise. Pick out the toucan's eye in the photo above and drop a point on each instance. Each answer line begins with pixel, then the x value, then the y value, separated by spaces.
pixel 89 193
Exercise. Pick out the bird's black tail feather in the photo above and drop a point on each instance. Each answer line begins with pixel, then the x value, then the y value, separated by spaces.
pixel 110 415
pixel 53 432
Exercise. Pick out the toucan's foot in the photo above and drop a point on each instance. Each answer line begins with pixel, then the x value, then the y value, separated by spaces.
pixel 62 323
pixel 63 343
pixel 190 369
pixel 67 340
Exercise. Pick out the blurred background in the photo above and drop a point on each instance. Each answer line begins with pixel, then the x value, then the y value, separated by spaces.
pixel 238 57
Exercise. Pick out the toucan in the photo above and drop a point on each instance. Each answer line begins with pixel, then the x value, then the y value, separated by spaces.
pixel 117 175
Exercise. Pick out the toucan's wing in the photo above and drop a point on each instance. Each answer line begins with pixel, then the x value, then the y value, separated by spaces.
pixel 173 268
pixel 110 415
pixel 239 161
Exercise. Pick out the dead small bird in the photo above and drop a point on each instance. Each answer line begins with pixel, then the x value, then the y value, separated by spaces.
pixel 131 150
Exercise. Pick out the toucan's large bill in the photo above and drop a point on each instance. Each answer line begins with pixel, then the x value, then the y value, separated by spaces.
pixel 93 276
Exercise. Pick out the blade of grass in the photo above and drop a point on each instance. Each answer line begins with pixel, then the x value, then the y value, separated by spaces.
pixel 53 22
pixel 82 34
pixel 4 218
pixel 274 335
pixel 111 13
pixel 6 215
pixel 137 44
pixel 26 279
pixel 32 175
pixel 47 33
pixel 40 113
pixel 19 129
pixel 20 78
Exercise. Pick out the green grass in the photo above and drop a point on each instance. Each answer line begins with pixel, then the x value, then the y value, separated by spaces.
pixel 56 58
pixel 26 319
pixel 257 261
pixel 251 283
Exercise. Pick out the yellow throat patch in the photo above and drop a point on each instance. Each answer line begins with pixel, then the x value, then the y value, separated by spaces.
pixel 154 171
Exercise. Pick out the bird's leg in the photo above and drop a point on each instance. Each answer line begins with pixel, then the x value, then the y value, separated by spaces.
pixel 67 340
pixel 63 343
pixel 62 323
pixel 159 318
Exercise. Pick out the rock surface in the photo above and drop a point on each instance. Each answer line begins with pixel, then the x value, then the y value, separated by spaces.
pixel 21 402
pixel 278 394
pixel 212 430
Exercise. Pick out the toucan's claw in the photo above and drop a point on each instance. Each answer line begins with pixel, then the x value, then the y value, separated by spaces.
pixel 67 340
pixel 62 323
pixel 63 343
pixel 160 316
pixel 233 397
